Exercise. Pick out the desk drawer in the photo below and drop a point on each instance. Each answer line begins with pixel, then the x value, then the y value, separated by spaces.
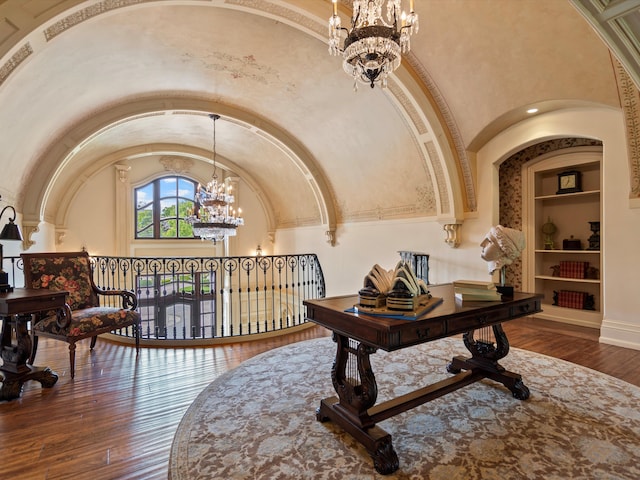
pixel 50 302
pixel 26 305
pixel 481 319
pixel 412 334
pixel 474 321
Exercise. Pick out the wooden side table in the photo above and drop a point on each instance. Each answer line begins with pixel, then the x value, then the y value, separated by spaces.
pixel 16 308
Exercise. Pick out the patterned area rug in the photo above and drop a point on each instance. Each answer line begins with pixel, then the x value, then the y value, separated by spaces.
pixel 258 421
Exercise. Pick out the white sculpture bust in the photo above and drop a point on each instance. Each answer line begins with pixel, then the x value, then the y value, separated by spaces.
pixel 501 247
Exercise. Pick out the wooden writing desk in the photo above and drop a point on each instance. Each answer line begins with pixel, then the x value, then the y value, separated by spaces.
pixel 15 310
pixel 358 335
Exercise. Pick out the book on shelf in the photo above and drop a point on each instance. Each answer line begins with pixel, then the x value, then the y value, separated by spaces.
pixel 478 284
pixel 571 269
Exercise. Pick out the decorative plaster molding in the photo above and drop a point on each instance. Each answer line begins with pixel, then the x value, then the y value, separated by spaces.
pixel 60 235
pixel 176 164
pixel 15 61
pixel 86 14
pixel 388 213
pixel 139 116
pixel 453 234
pixel 280 10
pixel 299 222
pixel 408 107
pixel 331 237
pixel 427 199
pixel 123 172
pixel 630 99
pixel 28 229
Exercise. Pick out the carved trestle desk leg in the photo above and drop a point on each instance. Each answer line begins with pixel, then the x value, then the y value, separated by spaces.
pixel 357 391
pixel 484 358
pixel 14 367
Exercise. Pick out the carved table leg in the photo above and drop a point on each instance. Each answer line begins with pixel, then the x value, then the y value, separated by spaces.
pixel 14 360
pixel 12 383
pixel 484 358
pixel 357 392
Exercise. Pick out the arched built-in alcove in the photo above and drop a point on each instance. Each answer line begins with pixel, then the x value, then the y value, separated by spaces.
pixel 510 189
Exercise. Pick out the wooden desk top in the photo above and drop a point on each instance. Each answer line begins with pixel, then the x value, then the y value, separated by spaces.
pixel 449 318
pixel 30 300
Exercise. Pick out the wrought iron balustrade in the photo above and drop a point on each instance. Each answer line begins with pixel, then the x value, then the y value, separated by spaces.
pixel 199 298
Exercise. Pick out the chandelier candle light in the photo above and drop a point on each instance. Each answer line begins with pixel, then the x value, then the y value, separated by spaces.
pixel 372 48
pixel 213 217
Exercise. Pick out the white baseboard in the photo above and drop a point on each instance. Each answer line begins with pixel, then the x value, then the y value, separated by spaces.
pixel 620 334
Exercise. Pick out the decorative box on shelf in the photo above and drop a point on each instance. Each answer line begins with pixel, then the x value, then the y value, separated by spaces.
pixel 571 244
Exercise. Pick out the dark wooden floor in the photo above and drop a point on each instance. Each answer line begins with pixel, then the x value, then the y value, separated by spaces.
pixel 117 418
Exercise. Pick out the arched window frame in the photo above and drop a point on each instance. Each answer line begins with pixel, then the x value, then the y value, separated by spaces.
pixel 155 199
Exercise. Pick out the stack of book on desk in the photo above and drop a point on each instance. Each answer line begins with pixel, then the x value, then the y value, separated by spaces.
pixel 476 291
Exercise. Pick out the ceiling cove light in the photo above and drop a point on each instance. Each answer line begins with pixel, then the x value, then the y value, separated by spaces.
pixel 373 45
pixel 213 217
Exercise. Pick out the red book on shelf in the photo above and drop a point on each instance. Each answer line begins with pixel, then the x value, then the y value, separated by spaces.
pixel 572 269
pixel 570 299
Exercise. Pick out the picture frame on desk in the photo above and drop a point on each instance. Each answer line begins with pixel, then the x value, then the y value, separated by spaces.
pixel 569 182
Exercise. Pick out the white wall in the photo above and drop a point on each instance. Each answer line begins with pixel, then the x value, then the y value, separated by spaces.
pixel 359 246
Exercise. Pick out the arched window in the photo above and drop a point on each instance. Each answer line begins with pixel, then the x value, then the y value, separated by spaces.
pixel 162 206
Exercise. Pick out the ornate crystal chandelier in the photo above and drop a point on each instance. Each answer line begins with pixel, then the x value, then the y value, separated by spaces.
pixel 372 47
pixel 213 217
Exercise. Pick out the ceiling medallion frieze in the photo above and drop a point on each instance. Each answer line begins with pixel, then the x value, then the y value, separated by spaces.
pixel 87 13
pixel 283 12
pixel 379 213
pixel 15 61
pixel 179 165
pixel 630 101
pixel 300 222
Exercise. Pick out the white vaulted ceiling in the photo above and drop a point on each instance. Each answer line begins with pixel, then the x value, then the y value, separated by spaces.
pixel 84 84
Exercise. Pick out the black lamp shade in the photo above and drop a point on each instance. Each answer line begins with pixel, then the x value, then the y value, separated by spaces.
pixel 11 231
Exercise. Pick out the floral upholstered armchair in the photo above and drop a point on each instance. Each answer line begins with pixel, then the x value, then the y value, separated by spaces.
pixel 82 317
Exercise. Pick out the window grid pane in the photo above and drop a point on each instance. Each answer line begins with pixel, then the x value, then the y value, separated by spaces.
pixel 162 208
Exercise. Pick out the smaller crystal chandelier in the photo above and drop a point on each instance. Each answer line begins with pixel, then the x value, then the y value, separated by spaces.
pixel 213 217
pixel 372 47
